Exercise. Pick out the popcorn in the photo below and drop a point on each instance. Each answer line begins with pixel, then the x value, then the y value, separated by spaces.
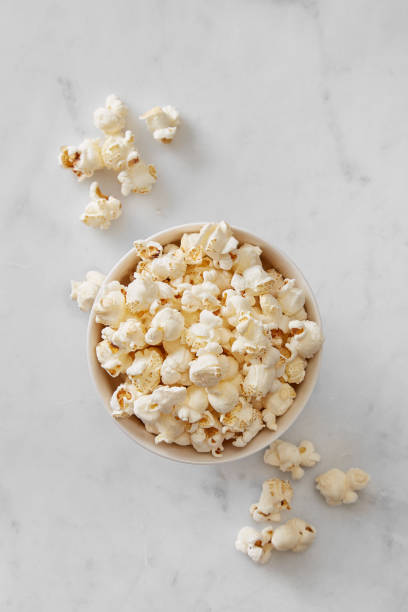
pixel 215 317
pixel 138 177
pixel 170 429
pixel 206 435
pixel 85 292
pixel 193 251
pixel 276 496
pixel 290 297
pixel 203 295
pixel 307 340
pixel 141 293
pixel 112 117
pixel 113 359
pixel 273 313
pixel 253 427
pixel 84 159
pixel 295 370
pixel 338 487
pixel 166 325
pixel 101 210
pixel 251 337
pixel 205 371
pixel 116 150
pixel 218 243
pixel 223 396
pixel 295 535
pixel 162 122
pixel 289 458
pixel 111 308
pixel 257 545
pixel 147 249
pixel 129 336
pixel 194 406
pixel 144 372
pixel 247 256
pixel 258 380
pixel 254 281
pixel 276 404
pixel 123 399
pixel 175 366
pixel 205 333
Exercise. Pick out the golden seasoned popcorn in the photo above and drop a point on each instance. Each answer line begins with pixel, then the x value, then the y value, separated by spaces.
pixel 123 399
pixel 144 372
pixel 129 336
pixel 111 308
pixel 289 457
pixel 111 118
pixel 338 487
pixel 277 403
pixel 162 122
pixel 307 338
pixel 138 177
pixel 116 149
pixel 101 210
pixel 85 292
pixel 295 535
pixel 275 497
pixel 112 359
pixel 217 337
pixel 84 159
pixel 257 545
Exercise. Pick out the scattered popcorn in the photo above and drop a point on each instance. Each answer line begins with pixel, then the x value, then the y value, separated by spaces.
pixel 257 545
pixel 205 318
pixel 289 458
pixel 116 151
pixel 138 177
pixel 307 340
pixel 162 122
pixel 123 399
pixel 276 404
pixel 338 487
pixel 275 497
pixel 83 160
pixel 111 118
pixel 295 535
pixel 113 359
pixel 101 210
pixel 85 292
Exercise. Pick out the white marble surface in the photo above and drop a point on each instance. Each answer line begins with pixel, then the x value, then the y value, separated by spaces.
pixel 296 128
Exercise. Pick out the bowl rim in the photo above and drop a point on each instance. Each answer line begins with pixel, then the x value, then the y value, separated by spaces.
pixel 96 371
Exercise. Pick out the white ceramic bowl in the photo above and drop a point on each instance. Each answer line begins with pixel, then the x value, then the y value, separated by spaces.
pixel 106 385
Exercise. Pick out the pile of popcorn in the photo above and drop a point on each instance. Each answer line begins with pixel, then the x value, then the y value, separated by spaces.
pixel 208 346
pixel 336 486
pixel 117 152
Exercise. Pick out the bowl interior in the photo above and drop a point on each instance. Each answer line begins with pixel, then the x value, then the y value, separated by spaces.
pixel 106 385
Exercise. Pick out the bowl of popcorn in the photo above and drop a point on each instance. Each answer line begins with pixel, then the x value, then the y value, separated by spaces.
pixel 204 343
